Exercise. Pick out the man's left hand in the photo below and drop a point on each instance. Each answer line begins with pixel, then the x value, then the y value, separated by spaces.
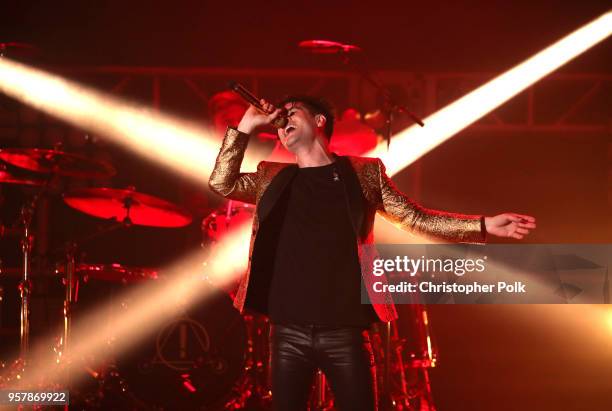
pixel 510 225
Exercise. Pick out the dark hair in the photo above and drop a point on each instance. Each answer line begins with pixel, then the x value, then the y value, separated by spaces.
pixel 314 105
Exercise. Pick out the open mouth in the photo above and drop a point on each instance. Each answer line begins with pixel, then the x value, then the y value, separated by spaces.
pixel 289 129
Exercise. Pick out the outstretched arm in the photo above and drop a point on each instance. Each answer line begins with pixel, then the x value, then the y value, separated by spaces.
pixel 443 225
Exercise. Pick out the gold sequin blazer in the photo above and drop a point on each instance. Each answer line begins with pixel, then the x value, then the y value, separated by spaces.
pixel 368 191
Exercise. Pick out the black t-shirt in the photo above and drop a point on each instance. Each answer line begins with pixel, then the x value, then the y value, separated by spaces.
pixel 316 272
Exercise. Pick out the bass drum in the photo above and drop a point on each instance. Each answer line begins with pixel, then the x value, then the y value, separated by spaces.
pixel 225 221
pixel 221 225
pixel 192 362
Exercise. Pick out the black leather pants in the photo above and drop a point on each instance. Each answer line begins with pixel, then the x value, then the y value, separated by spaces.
pixel 343 354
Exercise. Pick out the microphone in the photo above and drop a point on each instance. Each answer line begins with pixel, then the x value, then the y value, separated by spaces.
pixel 327 47
pixel 278 122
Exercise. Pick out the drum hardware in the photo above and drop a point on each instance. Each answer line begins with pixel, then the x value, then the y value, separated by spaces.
pixel 57 163
pixel 128 207
pixel 322 401
pixel 71 274
pixel 386 403
pixel 222 221
pixel 69 299
pixel 17 369
pixel 27 212
pixel 404 356
pixel 25 286
pixel 10 178
pixel 45 161
pixel 232 371
pixel 257 368
pixel 345 52
pixel 387 349
pixel 123 208
pixel 199 356
pixel 115 273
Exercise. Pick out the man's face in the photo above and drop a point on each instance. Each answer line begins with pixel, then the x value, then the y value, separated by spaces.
pixel 301 129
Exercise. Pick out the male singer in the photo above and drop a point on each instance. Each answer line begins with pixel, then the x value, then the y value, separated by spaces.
pixel 311 223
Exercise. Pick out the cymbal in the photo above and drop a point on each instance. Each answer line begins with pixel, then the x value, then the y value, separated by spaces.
pixel 58 162
pixel 141 209
pixel 6 177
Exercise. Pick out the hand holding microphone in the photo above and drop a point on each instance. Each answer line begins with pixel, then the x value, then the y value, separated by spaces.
pixel 259 113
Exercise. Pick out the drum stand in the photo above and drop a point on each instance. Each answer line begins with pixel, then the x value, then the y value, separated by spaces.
pixel 70 279
pixel 25 286
pixel 321 400
pixel 71 285
pixel 385 399
pixel 17 368
pixel 396 392
pixel 253 391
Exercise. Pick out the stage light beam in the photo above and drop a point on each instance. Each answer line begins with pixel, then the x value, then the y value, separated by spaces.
pixel 443 124
pixel 185 147
pixel 96 337
pixel 416 141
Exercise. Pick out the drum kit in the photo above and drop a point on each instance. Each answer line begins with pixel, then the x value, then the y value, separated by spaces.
pixel 209 357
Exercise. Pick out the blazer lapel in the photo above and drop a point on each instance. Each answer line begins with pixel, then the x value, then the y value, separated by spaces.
pixel 274 190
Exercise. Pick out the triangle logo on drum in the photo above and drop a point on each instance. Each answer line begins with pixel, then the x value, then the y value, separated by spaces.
pixel 182 345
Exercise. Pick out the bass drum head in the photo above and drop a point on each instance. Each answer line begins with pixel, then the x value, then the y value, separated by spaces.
pixel 222 223
pixel 192 362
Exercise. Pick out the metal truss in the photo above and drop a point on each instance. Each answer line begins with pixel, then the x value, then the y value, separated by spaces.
pixel 567 103
pixel 571 104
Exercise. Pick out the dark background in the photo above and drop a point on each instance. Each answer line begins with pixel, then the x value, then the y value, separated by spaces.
pixel 491 357
pixel 420 36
